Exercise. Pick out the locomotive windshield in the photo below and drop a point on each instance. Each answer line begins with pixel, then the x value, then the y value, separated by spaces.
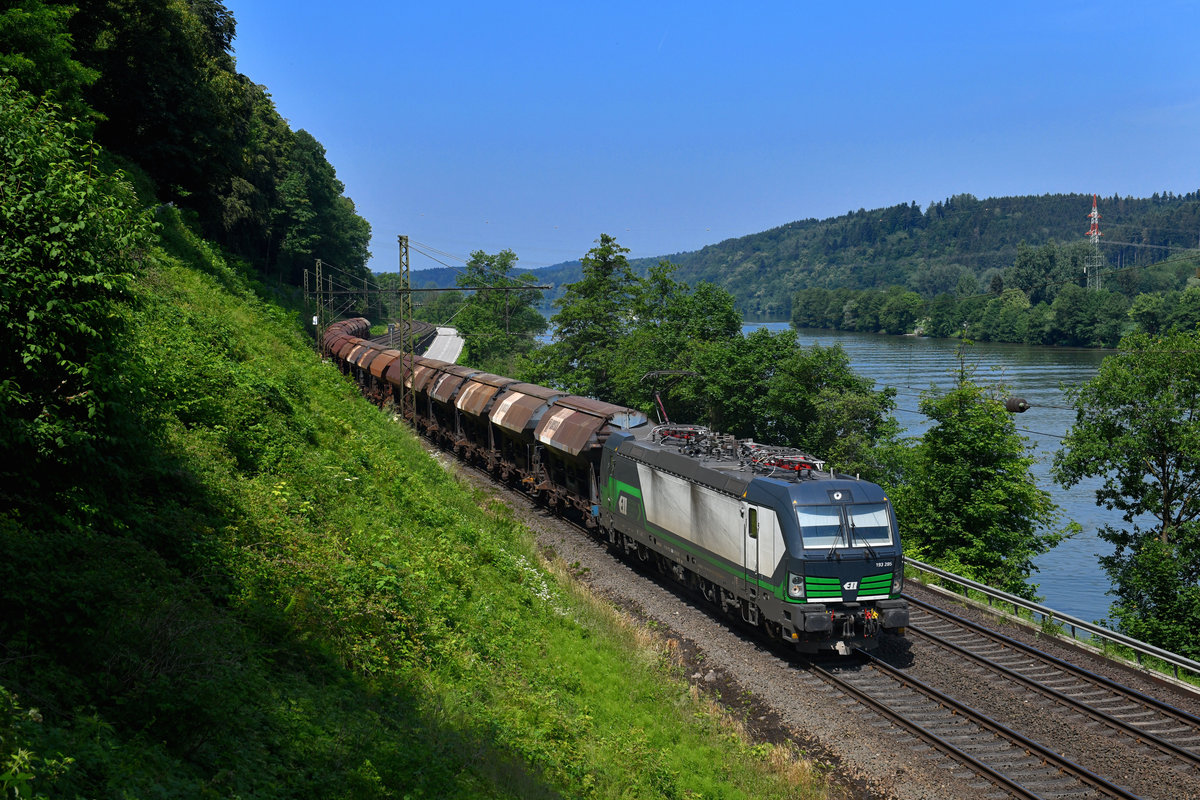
pixel 821 526
pixel 869 524
pixel 854 525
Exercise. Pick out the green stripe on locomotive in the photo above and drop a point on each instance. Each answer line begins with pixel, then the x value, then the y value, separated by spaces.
pixel 615 490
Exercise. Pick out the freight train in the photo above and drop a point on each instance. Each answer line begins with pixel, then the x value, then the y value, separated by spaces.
pixel 768 533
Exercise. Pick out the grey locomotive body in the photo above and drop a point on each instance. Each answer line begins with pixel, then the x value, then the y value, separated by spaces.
pixel 813 558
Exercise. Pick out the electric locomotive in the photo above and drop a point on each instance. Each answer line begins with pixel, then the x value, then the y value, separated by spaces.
pixel 811 556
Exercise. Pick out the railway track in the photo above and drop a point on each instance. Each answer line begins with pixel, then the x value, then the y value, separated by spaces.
pixel 1013 764
pixel 1164 734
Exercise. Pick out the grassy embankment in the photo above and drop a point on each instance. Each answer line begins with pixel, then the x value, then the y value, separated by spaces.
pixel 289 598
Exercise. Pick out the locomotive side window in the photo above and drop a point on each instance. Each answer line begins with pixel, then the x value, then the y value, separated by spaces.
pixel 753 523
pixel 820 526
pixel 870 524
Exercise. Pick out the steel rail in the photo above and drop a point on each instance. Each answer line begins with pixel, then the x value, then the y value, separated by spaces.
pixel 1131 694
pixel 925 735
pixel 1047 756
pixel 1140 649
pixel 1115 723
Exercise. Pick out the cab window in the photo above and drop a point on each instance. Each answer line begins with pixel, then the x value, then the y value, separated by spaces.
pixel 820 526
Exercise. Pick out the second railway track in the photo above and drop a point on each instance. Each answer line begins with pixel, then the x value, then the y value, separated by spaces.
pixel 1128 737
pixel 1145 719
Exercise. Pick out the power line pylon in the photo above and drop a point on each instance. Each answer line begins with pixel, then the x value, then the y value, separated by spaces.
pixel 1094 260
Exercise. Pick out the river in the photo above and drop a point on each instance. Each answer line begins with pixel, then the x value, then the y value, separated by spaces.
pixel 1069 578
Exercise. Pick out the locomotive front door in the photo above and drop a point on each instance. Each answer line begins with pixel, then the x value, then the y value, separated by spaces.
pixel 750 517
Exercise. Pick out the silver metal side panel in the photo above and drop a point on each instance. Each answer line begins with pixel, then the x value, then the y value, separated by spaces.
pixel 711 520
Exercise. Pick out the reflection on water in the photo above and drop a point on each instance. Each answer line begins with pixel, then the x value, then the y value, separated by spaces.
pixel 1070 579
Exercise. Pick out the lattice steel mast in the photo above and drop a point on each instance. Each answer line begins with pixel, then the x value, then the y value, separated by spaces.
pixel 1094 260
pixel 408 399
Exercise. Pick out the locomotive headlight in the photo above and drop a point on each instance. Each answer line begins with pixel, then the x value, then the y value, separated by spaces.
pixel 898 583
pixel 796 586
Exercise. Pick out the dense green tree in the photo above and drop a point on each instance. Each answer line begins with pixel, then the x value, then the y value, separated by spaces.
pixel 440 308
pixel 1042 271
pixel 943 316
pixel 767 387
pixel 1072 317
pixel 968 501
pixel 1087 318
pixel 594 314
pixel 861 312
pixel 816 402
pixel 1149 313
pixel 37 51
pixel 1172 276
pixel 900 311
pixel 314 219
pixel 1039 323
pixel 70 240
pixel 967 286
pixel 1184 311
pixel 817 307
pixel 732 377
pixel 1137 429
pixel 158 80
pixel 709 313
pixel 169 92
pixel 671 321
pixel 940 279
pixel 1110 322
pixel 497 326
pixel 249 206
pixel 810 308
pixel 1005 318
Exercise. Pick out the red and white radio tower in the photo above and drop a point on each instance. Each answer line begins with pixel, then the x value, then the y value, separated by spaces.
pixel 1094 260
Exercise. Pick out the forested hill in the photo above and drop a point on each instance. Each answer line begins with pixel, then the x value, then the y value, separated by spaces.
pixel 958 244
pixel 156 85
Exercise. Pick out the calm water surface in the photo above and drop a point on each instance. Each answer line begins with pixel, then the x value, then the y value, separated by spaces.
pixel 1069 578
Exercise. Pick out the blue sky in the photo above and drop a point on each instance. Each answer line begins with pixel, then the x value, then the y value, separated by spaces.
pixel 538 126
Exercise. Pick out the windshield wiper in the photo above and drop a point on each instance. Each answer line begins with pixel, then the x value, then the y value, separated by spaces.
pixel 865 544
pixel 833 549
